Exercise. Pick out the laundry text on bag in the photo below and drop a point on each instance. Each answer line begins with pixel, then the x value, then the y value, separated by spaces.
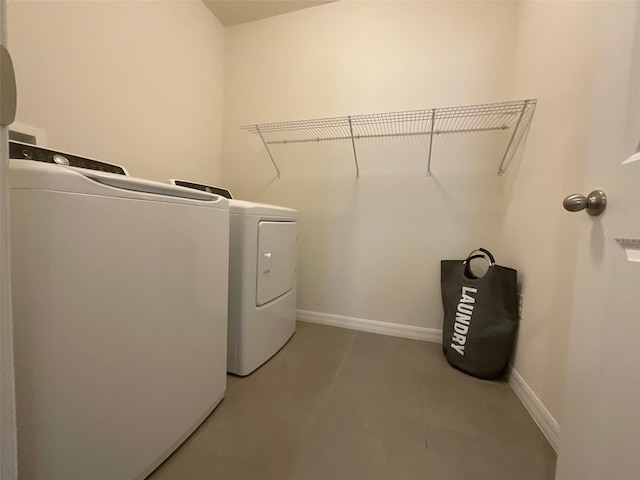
pixel 464 312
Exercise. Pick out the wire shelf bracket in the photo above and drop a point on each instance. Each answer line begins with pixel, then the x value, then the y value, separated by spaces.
pixel 266 146
pixel 514 118
pixel 353 144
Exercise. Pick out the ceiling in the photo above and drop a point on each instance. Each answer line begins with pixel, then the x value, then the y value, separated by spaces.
pixel 234 12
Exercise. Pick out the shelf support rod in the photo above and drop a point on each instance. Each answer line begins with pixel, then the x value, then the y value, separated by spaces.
pixel 501 168
pixel 353 144
pixel 268 151
pixel 433 121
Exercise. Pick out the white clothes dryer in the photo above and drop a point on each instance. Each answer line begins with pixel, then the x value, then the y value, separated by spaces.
pixel 120 295
pixel 262 280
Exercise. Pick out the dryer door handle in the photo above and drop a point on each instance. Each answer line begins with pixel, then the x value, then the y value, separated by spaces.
pixel 266 262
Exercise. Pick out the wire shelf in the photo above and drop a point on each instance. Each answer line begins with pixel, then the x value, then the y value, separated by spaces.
pixel 512 117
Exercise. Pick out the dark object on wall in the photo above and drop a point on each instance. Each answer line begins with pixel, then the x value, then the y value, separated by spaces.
pixel 8 96
pixel 480 315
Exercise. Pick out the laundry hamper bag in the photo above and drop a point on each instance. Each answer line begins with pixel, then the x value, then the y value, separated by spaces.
pixel 480 315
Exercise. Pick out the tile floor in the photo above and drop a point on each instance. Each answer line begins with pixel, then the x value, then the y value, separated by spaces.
pixel 346 405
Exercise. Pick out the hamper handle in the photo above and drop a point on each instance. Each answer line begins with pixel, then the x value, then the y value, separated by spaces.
pixel 486 254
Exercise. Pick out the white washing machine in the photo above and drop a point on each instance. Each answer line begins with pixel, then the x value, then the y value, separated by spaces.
pixel 262 280
pixel 120 294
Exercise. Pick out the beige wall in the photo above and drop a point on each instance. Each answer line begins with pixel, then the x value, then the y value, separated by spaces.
pixel 371 247
pixel 128 82
pixel 135 83
pixel 555 62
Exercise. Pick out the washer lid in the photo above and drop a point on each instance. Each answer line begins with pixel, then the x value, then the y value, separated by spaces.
pixel 31 175
pixel 242 207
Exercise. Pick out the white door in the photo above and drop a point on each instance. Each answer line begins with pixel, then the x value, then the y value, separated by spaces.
pixel 8 459
pixel 600 433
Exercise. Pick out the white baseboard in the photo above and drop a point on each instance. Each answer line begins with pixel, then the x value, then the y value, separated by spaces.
pixel 372 326
pixel 536 409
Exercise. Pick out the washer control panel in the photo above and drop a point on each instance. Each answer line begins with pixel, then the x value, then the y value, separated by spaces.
pixel 204 188
pixel 25 151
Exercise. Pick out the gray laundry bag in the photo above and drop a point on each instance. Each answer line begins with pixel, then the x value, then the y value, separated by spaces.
pixel 480 315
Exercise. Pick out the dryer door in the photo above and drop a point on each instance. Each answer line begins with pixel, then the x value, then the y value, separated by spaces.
pixel 277 253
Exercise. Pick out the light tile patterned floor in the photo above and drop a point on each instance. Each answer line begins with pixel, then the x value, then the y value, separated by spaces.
pixel 338 404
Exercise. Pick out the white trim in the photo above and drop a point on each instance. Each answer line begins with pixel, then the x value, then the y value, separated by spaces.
pixel 372 326
pixel 8 439
pixel 535 407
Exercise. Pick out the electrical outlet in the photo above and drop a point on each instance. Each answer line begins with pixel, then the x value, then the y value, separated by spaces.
pixel 520 304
